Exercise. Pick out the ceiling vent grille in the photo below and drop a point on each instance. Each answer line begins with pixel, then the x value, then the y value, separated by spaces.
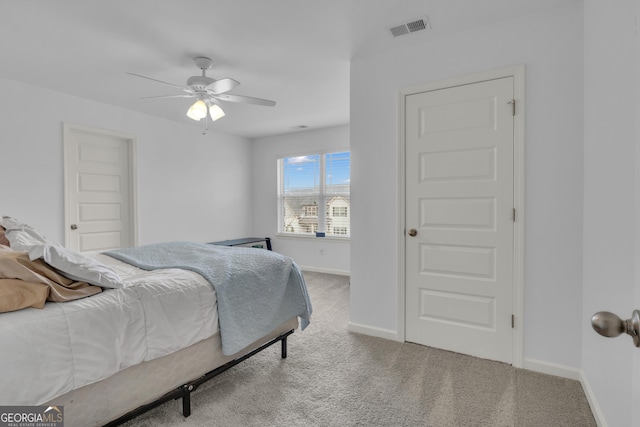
pixel 410 27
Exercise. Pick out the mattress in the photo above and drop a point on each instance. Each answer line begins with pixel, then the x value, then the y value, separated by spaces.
pixel 65 346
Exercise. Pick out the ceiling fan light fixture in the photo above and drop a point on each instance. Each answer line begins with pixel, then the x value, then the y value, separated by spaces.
pixel 216 112
pixel 198 110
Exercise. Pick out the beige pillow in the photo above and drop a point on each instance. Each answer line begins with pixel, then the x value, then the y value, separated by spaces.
pixel 17 294
pixel 3 238
pixel 16 265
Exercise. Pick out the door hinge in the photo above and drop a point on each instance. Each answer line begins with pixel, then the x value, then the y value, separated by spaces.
pixel 514 215
pixel 513 106
pixel 513 321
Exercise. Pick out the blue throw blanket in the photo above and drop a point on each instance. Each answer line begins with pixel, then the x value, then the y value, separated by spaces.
pixel 257 290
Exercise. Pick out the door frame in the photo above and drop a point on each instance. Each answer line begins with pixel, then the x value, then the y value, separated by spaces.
pixel 517 72
pixel 131 140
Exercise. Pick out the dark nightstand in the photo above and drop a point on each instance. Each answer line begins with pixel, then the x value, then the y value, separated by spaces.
pixel 244 241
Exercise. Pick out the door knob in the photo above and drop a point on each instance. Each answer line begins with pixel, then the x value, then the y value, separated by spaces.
pixel 74 227
pixel 413 232
pixel 610 325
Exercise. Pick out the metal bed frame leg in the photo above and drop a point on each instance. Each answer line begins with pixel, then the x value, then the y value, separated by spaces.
pixel 284 347
pixel 186 400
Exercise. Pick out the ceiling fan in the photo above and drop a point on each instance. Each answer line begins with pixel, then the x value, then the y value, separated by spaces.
pixel 208 93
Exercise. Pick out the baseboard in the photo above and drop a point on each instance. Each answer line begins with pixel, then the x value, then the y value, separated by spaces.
pixel 593 403
pixel 552 369
pixel 373 331
pixel 572 374
pixel 326 270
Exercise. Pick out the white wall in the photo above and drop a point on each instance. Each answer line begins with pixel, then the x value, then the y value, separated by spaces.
pixel 550 46
pixel 316 254
pixel 611 202
pixel 190 186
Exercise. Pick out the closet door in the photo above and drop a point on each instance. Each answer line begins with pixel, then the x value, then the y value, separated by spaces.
pixel 460 218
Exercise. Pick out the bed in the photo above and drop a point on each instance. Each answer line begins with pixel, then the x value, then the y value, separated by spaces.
pixel 116 339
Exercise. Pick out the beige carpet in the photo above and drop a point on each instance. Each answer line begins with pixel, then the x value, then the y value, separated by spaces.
pixel 336 378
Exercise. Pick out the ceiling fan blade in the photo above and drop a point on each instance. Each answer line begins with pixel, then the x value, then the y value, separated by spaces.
pixel 168 96
pixel 155 80
pixel 222 85
pixel 245 99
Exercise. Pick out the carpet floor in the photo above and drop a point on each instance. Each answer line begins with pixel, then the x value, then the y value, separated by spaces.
pixel 336 378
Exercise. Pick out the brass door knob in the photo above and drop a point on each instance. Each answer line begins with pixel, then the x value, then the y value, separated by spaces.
pixel 74 227
pixel 413 232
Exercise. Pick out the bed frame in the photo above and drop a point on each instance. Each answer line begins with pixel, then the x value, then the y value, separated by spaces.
pixel 184 391
pixel 140 388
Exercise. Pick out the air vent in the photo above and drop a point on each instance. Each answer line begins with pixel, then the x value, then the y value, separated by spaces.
pixel 410 27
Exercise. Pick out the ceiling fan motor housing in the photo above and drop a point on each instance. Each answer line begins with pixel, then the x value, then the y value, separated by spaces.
pixel 199 83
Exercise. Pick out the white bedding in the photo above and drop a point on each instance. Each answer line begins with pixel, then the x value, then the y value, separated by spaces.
pixel 45 353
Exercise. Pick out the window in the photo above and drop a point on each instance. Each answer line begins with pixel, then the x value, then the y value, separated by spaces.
pixel 310 210
pixel 340 211
pixel 314 194
pixel 340 230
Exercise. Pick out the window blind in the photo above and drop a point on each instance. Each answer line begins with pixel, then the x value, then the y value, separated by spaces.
pixel 314 194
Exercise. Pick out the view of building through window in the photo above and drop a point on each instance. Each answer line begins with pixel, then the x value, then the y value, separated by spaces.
pixel 314 194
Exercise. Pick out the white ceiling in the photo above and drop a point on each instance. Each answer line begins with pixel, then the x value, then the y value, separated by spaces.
pixel 295 52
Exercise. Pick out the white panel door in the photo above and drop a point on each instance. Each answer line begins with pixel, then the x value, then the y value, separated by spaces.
pixel 459 200
pixel 98 190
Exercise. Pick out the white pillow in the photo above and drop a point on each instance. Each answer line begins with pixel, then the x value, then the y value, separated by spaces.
pixel 22 236
pixel 76 266
pixel 73 265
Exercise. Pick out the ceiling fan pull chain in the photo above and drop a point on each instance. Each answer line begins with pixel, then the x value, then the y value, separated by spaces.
pixel 206 122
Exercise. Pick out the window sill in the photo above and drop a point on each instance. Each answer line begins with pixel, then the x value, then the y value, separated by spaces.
pixel 310 237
